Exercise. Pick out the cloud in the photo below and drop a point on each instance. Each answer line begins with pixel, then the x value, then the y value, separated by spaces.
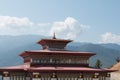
pixel 44 24
pixel 18 26
pixel 70 28
pixel 109 37
pixel 14 21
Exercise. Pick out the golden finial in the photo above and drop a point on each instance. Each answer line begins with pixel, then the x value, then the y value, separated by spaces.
pixel 54 37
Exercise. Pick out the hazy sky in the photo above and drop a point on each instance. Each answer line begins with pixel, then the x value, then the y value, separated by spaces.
pixel 80 20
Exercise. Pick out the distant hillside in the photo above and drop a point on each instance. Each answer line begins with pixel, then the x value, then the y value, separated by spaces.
pixel 12 46
pixel 111 46
pixel 106 55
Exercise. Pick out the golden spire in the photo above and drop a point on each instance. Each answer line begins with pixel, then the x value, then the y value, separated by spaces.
pixel 54 37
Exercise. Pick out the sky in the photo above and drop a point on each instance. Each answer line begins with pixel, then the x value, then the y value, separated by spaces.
pixel 96 21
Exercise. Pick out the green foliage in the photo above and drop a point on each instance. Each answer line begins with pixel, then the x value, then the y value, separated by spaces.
pixel 98 64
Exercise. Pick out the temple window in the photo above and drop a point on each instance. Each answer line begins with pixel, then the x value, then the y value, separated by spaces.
pixel 37 61
pixel 34 60
pixel 50 60
pixel 61 61
pixel 69 61
pixel 57 61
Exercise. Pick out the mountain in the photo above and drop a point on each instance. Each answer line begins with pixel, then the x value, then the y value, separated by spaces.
pixel 112 46
pixel 106 55
pixel 12 46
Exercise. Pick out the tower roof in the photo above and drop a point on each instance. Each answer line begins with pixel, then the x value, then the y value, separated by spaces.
pixel 54 43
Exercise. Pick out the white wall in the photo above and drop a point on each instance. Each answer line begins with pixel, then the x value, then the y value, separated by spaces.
pixel 115 76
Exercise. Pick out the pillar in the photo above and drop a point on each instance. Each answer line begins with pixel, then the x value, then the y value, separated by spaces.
pixel 6 76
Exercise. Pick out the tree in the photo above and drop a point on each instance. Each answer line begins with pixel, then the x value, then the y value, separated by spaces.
pixel 118 59
pixel 98 64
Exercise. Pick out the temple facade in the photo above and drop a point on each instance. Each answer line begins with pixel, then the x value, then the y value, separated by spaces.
pixel 54 62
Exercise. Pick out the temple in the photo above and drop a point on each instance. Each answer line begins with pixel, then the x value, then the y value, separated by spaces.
pixel 54 62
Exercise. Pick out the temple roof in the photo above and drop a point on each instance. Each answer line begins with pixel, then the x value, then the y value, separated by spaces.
pixel 53 69
pixel 57 52
pixel 54 44
pixel 54 40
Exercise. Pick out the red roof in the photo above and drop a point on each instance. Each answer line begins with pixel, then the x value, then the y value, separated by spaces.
pixel 50 69
pixel 61 40
pixel 64 69
pixel 57 52
pixel 13 68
